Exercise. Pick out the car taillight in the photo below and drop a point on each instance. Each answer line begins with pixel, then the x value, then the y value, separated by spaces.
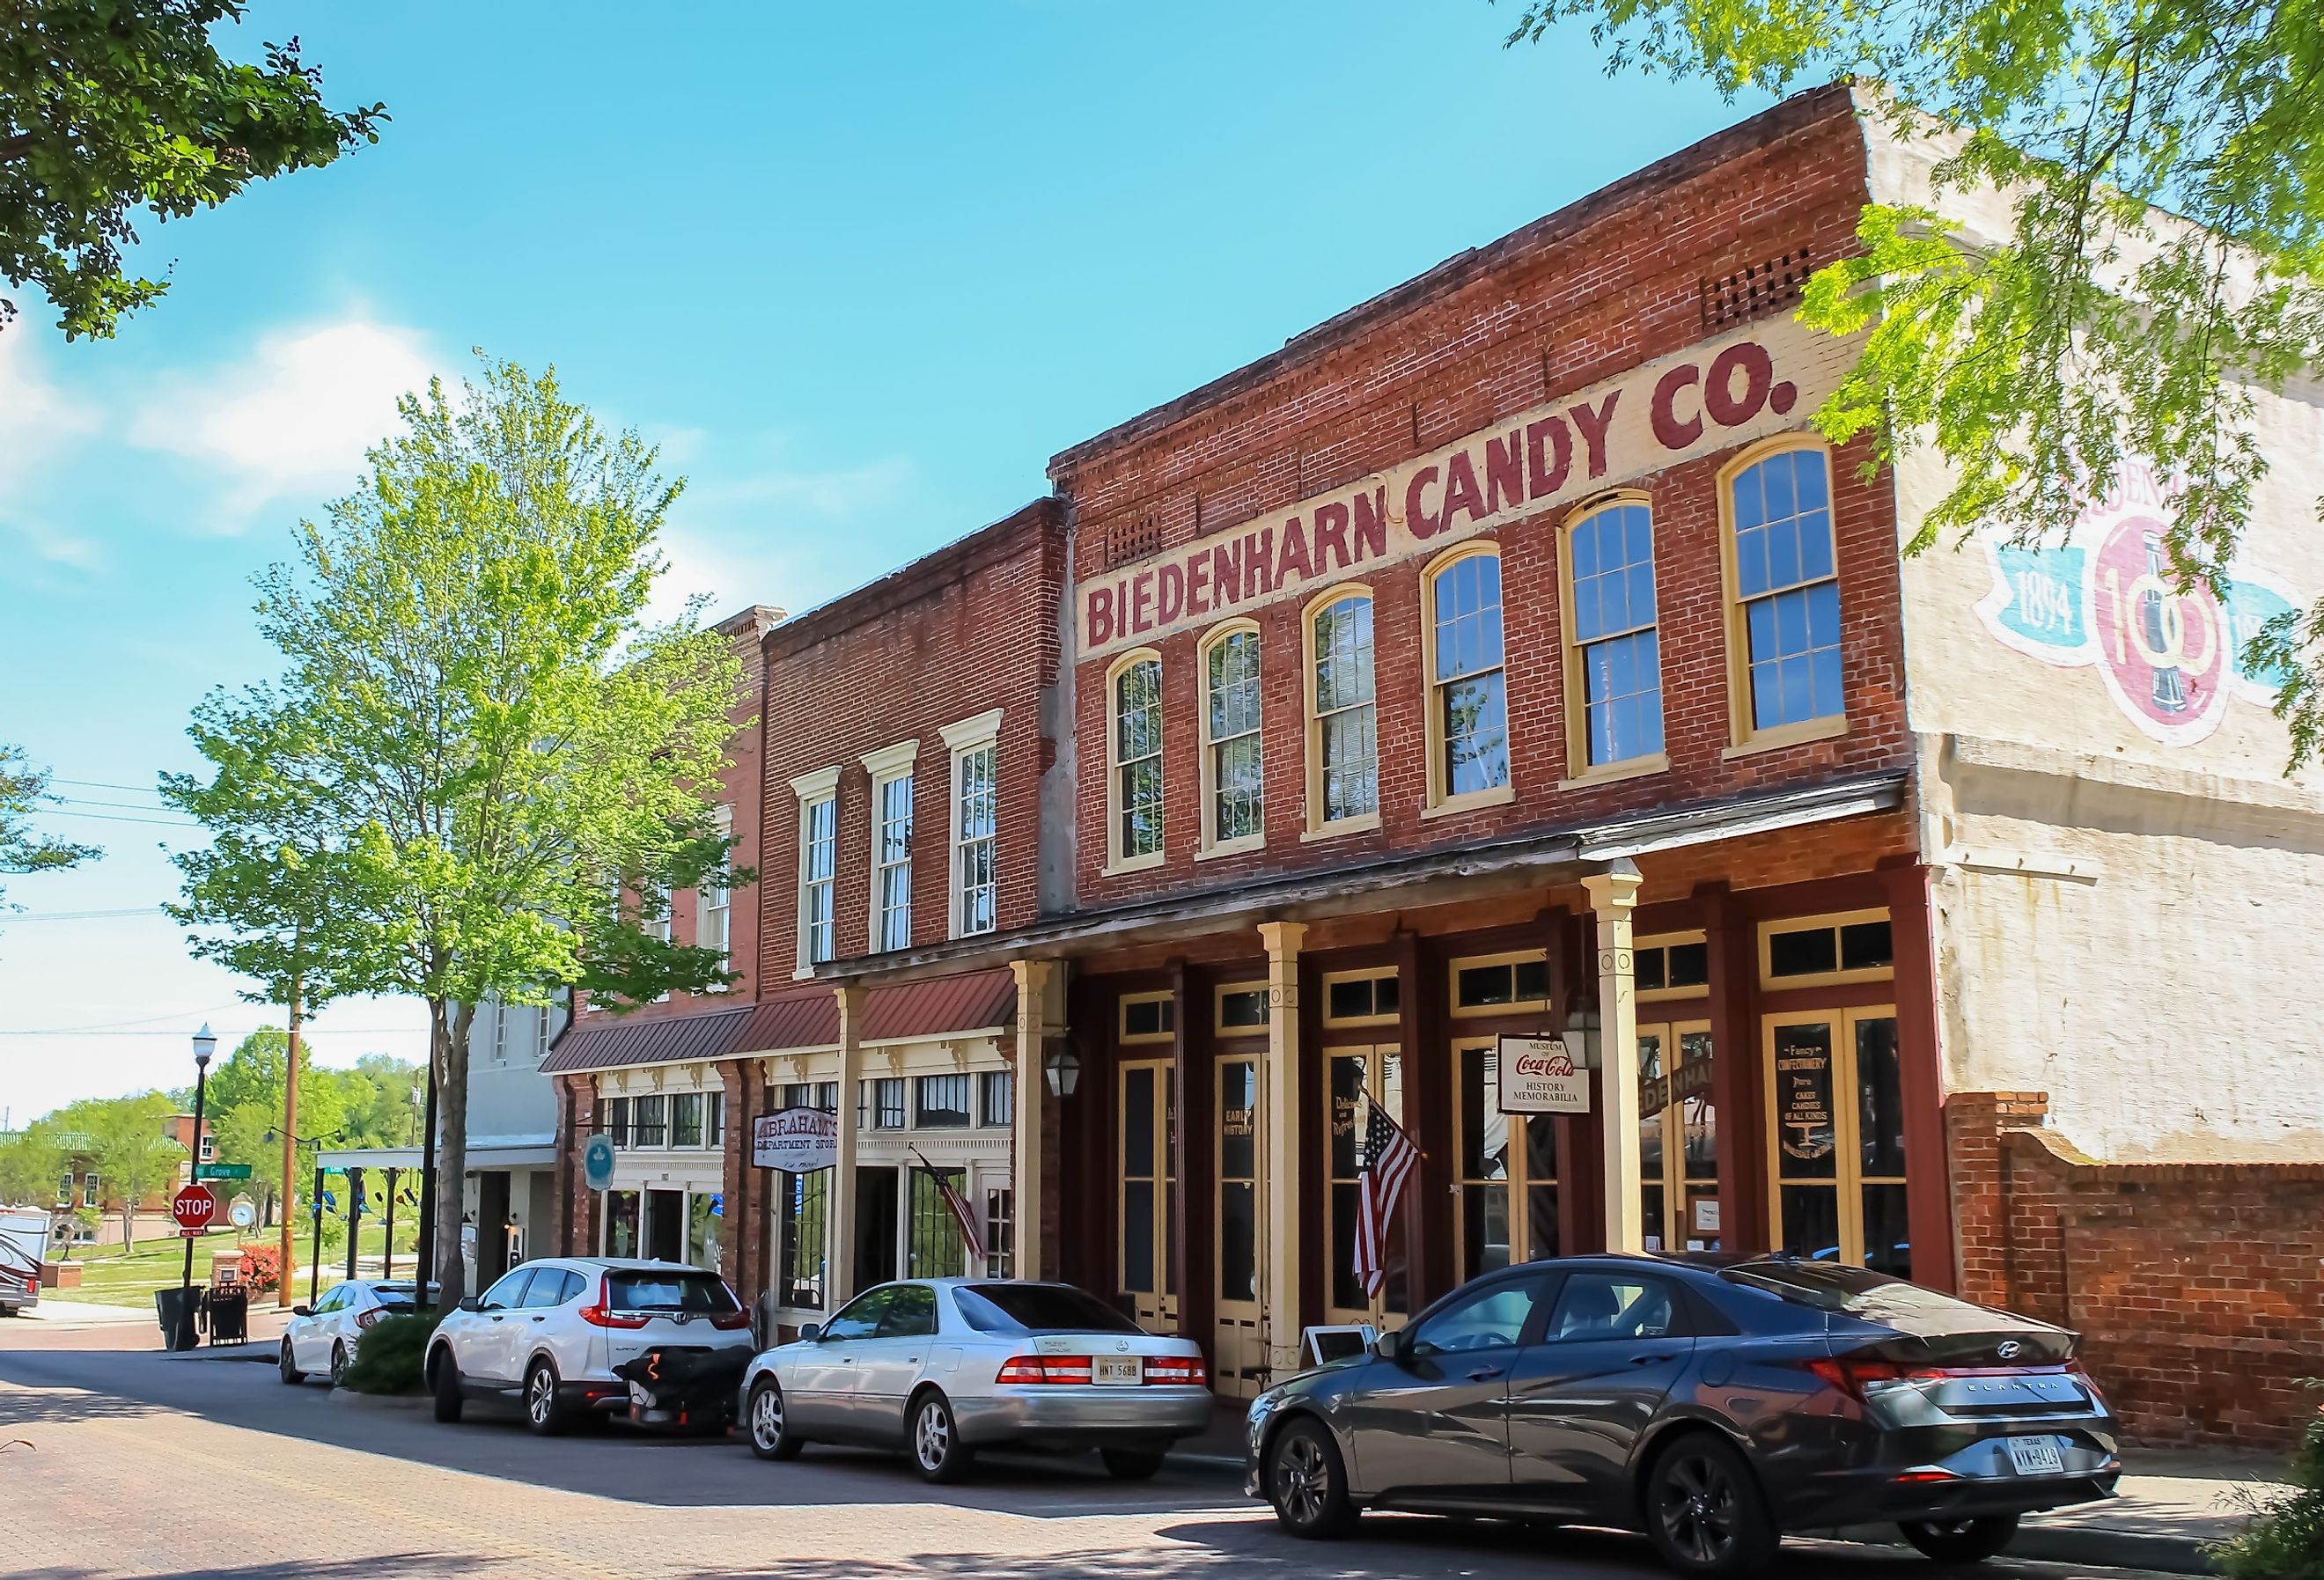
pixel 1856 1375
pixel 731 1320
pixel 603 1314
pixel 2082 1375
pixel 1177 1370
pixel 1058 1369
pixel 365 1319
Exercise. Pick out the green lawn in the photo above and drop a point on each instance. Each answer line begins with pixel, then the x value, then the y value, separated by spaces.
pixel 112 1276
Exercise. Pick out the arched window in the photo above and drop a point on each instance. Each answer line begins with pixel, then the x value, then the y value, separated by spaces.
pixel 1786 618
pixel 1137 768
pixel 1235 808
pixel 1468 700
pixel 1616 670
pixel 1343 733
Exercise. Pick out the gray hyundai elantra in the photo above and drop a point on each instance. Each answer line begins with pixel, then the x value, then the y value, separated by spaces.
pixel 1713 1406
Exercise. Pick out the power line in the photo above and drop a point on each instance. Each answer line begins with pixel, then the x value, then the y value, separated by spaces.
pixel 115 817
pixel 308 1030
pixel 92 801
pixel 142 790
pixel 77 915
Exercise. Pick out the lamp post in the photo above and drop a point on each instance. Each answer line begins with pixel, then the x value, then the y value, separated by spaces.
pixel 205 1045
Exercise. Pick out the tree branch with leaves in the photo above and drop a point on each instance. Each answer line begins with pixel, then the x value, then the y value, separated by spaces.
pixel 2166 259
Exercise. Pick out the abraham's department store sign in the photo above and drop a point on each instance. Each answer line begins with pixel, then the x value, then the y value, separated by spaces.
pixel 1760 381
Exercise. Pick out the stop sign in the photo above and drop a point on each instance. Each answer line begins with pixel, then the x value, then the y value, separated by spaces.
pixel 193 1207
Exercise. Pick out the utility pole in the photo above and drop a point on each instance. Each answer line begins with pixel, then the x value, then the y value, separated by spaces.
pixel 282 1295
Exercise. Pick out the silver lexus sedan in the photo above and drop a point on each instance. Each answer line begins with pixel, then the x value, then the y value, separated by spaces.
pixel 942 1367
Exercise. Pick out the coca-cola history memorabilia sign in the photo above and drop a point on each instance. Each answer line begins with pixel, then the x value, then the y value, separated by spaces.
pixel 1538 1076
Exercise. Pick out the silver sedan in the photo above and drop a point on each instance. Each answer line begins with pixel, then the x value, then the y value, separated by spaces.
pixel 942 1367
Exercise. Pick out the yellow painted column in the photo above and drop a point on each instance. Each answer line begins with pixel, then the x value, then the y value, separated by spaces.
pixel 1613 896
pixel 839 1203
pixel 1040 1021
pixel 1280 1166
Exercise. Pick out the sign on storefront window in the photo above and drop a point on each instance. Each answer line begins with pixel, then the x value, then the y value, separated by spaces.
pixel 797 1140
pixel 1538 1076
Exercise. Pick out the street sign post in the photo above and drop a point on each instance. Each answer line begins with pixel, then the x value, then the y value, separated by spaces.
pixel 193 1207
pixel 221 1171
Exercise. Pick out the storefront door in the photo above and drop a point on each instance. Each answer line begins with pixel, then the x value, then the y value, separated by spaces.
pixel 1506 1173
pixel 1239 1349
pixel 1678 1138
pixel 1148 1125
pixel 1836 1113
pixel 1358 1078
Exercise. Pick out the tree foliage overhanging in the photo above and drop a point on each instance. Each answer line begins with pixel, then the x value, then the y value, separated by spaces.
pixel 22 849
pixel 2034 363
pixel 483 769
pixel 111 109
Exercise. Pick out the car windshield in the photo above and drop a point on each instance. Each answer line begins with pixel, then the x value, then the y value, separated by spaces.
pixel 633 1289
pixel 1855 1291
pixel 1038 1308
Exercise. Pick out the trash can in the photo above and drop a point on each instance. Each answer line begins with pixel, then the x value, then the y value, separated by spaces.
pixel 176 1309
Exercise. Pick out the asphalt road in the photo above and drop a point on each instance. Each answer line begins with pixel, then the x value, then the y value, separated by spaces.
pixel 137 1463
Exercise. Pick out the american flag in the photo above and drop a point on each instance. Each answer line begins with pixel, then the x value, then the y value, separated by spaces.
pixel 1388 1159
pixel 966 1216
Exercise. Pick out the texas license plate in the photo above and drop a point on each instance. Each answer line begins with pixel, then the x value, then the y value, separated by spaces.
pixel 2036 1457
pixel 1117 1371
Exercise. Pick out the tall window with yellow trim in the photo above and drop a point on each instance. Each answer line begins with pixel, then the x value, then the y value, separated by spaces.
pixel 1786 590
pixel 1616 659
pixel 1344 745
pixel 1468 704
pixel 1233 810
pixel 1137 767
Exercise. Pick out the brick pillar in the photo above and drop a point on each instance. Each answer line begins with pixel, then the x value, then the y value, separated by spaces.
pixel 577 1107
pixel 1738 1073
pixel 745 1185
pixel 1975 1125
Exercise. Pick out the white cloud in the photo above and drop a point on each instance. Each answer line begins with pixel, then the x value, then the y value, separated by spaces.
pixel 39 423
pixel 781 534
pixel 294 416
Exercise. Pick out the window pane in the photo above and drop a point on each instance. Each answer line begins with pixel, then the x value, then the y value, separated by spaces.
pixel 1476 734
pixel 1484 1128
pixel 1484 1228
pixel 1880 1099
pixel 1343 655
pixel 997 1098
pixel 1867 946
pixel 942 1101
pixel 1350 781
pixel 1622 679
pixel 1690 964
pixel 1811 1227
pixel 1237 775
pixel 1888 1234
pixel 1785 560
pixel 1804 953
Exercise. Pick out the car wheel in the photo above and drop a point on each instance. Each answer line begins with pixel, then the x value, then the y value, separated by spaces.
pixel 1308 1484
pixel 937 1452
pixel 544 1411
pixel 444 1375
pixel 339 1363
pixel 1131 1465
pixel 1703 1510
pixel 291 1372
pixel 1961 1541
pixel 771 1436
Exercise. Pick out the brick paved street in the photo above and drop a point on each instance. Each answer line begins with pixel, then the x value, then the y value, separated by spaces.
pixel 146 1465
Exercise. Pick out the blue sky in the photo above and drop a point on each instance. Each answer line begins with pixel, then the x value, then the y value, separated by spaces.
pixel 861 273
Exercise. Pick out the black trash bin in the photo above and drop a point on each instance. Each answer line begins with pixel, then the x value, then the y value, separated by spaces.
pixel 229 1314
pixel 176 1309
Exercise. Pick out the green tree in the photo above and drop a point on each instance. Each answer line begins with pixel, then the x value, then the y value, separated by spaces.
pixel 136 1155
pixel 31 1162
pixel 381 1099
pixel 2101 326
pixel 22 851
pixel 109 108
pixel 495 744
pixel 245 1109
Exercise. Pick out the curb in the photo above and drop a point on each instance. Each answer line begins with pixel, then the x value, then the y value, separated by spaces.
pixel 2099 1548
pixel 377 1401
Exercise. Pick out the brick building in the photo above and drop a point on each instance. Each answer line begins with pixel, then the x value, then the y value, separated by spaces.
pixel 1500 707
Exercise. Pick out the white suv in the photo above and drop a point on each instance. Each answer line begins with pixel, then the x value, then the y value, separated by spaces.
pixel 553 1331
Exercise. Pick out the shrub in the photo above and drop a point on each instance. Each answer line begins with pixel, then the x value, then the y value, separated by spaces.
pixel 2287 1541
pixel 388 1359
pixel 262 1265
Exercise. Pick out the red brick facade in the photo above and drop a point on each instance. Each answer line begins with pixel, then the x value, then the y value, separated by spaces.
pixel 1612 283
pixel 2195 1286
pixel 969 628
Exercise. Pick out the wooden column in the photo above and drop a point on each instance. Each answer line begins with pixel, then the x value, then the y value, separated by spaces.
pixel 1429 1241
pixel 1613 895
pixel 1920 1068
pixel 839 1224
pixel 1737 1089
pixel 1040 1026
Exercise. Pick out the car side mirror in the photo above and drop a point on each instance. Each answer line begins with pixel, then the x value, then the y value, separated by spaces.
pixel 1388 1344
pixel 470 1303
pixel 810 1332
pixel 303 1311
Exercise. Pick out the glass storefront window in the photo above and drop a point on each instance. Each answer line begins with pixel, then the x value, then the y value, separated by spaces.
pixel 1238 1083
pixel 800 1221
pixel 935 1249
pixel 706 1230
pixel 620 1217
pixel 1837 1109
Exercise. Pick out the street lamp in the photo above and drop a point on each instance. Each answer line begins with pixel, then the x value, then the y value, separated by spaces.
pixel 205 1045
pixel 1064 1072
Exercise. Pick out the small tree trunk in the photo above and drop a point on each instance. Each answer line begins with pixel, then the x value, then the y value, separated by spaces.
pixel 449 1031
pixel 129 1226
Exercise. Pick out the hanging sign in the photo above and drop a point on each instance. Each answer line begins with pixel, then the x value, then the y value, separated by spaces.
pixel 598 1161
pixel 1538 1076
pixel 797 1140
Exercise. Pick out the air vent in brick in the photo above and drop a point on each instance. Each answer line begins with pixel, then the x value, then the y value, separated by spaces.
pixel 1134 540
pixel 1755 290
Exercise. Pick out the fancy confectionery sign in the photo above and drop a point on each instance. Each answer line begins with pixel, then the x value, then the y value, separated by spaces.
pixel 1745 387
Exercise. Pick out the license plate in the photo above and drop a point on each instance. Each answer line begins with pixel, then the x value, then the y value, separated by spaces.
pixel 2036 1457
pixel 1117 1371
